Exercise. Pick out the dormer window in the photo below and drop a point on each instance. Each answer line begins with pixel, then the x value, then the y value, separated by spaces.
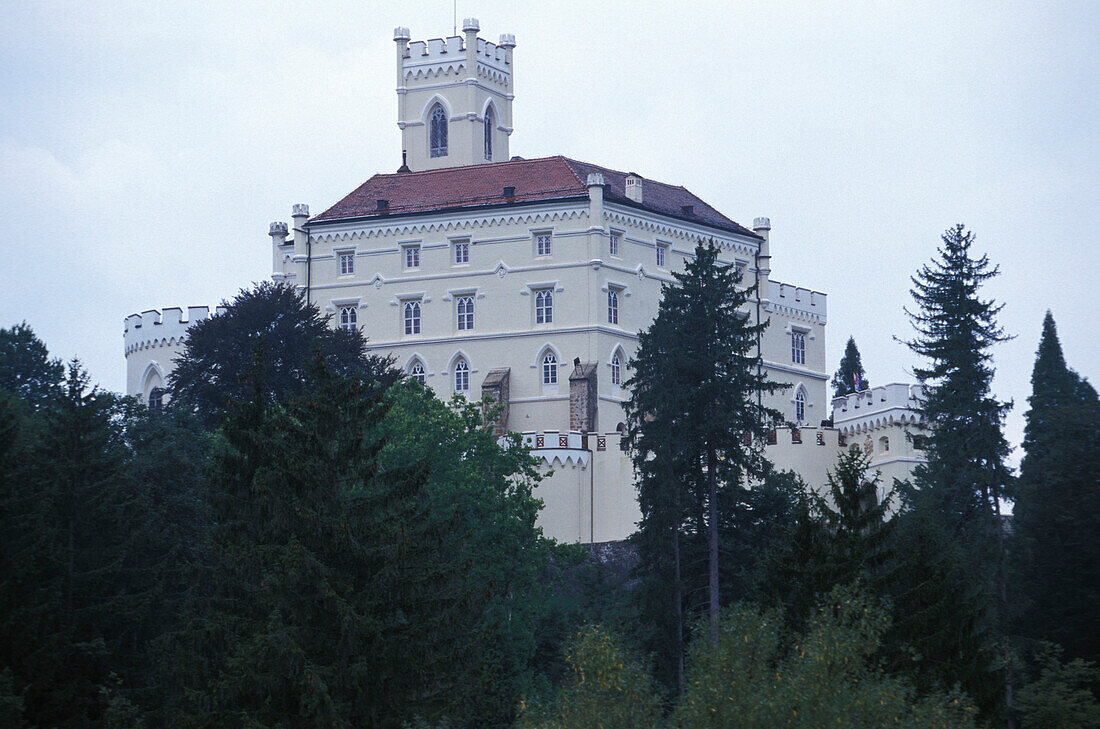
pixel 437 132
pixel 489 134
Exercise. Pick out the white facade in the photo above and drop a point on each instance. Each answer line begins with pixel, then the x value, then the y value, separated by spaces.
pixel 534 270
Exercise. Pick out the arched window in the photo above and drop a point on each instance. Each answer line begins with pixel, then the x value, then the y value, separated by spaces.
pixel 489 134
pixel 462 376
pixel 437 125
pixel 544 307
pixel 800 405
pixel 616 370
pixel 348 318
pixel 417 372
pixel 412 317
pixel 156 398
pixel 549 369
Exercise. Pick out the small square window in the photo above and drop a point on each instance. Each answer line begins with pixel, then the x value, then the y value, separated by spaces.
pixel 544 244
pixel 461 252
pixel 662 251
pixel 613 242
pixel 412 256
pixel 347 264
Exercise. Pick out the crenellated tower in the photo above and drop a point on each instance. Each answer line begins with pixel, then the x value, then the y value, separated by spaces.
pixel 454 99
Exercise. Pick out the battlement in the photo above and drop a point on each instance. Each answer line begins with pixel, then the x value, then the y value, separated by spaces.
pixel 896 402
pixel 795 299
pixel 153 328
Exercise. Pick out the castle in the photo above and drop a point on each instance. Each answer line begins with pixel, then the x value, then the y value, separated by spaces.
pixel 527 280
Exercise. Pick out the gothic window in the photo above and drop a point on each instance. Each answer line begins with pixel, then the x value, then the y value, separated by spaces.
pixel 412 257
pixel 412 317
pixel 549 369
pixel 800 405
pixel 462 251
pixel 489 134
pixel 544 244
pixel 156 398
pixel 348 318
pixel 465 312
pixel 613 243
pixel 616 370
pixel 417 372
pixel 612 306
pixel 462 376
pixel 437 125
pixel 347 263
pixel 544 306
pixel 798 347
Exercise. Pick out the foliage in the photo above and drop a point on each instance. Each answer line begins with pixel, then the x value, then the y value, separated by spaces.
pixel 372 560
pixel 604 688
pixel 274 322
pixel 26 369
pixel 758 676
pixel 1057 514
pixel 696 427
pixel 850 376
pixel 1060 696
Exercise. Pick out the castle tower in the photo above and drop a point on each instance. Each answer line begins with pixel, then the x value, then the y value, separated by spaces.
pixel 454 99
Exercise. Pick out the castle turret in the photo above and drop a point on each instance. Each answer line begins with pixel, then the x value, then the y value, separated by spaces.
pixel 454 99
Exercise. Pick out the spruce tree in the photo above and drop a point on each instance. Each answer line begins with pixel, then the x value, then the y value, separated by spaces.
pixel 849 376
pixel 1057 513
pixel 695 421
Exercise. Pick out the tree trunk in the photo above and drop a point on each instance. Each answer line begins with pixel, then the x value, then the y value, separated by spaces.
pixel 712 529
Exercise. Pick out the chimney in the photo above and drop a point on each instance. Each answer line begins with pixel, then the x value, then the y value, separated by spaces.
pixel 634 187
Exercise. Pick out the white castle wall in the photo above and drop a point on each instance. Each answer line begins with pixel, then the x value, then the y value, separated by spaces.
pixel 152 340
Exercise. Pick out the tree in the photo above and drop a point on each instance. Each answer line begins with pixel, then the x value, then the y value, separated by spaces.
pixel 26 368
pixel 849 376
pixel 275 321
pixel 964 478
pixel 373 558
pixel 695 420
pixel 1057 512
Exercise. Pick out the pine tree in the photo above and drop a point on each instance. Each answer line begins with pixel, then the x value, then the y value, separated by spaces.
pixel 695 421
pixel 849 376
pixel 1057 514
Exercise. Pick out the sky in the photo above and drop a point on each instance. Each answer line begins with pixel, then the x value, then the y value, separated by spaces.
pixel 145 147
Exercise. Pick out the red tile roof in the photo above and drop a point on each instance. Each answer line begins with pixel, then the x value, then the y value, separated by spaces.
pixel 533 180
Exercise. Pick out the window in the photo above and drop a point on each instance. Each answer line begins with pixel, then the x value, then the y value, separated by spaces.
pixel 156 398
pixel 549 369
pixel 465 312
pixel 612 306
pixel 462 376
pixel 348 318
pixel 412 317
pixel 613 243
pixel 800 406
pixel 798 347
pixel 438 132
pixel 462 251
pixel 616 370
pixel 347 264
pixel 544 307
pixel 661 255
pixel 412 256
pixel 544 244
pixel 489 134
pixel 417 372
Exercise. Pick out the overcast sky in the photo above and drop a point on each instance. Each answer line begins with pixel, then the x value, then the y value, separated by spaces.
pixel 145 147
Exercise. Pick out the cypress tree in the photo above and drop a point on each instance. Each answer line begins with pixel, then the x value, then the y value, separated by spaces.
pixel 1057 513
pixel 849 376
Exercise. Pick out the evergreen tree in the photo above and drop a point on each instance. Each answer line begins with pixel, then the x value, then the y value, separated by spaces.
pixel 695 423
pixel 275 321
pixel 964 478
pixel 26 369
pixel 1057 514
pixel 849 376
